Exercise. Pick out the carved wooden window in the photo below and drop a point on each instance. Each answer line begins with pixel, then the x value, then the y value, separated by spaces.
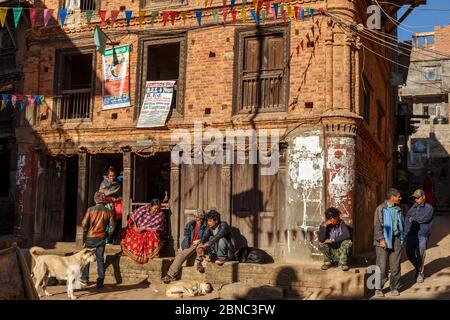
pixel 82 5
pixel 164 4
pixel 262 71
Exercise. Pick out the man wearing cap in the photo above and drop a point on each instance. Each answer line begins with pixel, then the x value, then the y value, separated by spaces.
pixel 193 232
pixel 94 225
pixel 418 222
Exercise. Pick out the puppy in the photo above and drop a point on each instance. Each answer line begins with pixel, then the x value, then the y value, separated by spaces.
pixel 62 268
pixel 188 288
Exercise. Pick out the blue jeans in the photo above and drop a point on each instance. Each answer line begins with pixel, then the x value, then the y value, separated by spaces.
pixel 415 251
pixel 221 250
pixel 98 243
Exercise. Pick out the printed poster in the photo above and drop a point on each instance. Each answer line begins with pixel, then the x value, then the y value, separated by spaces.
pixel 116 78
pixel 156 105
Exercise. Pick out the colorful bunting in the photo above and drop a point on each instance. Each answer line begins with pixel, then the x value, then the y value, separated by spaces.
pixel 184 16
pixel 42 100
pixel 198 14
pixel 244 2
pixel 3 12
pixel 62 16
pixel 13 100
pixel 243 15
pixel 17 12
pixel 234 14
pixel 155 14
pixel 225 14
pixel 311 12
pixel 114 15
pixel 215 16
pixel 206 3
pixel 224 3
pixel 37 100
pixel 255 16
pixel 89 14
pixel 128 15
pixel 47 15
pixel 33 13
pixel 302 13
pixel 165 17
pixel 296 11
pixel 173 16
pixel 99 40
pixel 275 11
pixel 267 7
pixel 232 2
pixel 263 15
pixel 142 14
pixel 102 14
pixel 5 99
pixel 255 4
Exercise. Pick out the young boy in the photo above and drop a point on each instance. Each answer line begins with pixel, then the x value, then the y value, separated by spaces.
pixel 334 240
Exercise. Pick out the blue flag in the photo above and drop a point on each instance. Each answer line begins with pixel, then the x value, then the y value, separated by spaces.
pixel 255 17
pixel 275 8
pixel 198 14
pixel 232 4
pixel 37 99
pixel 311 12
pixel 303 14
pixel 62 16
pixel 5 98
pixel 128 15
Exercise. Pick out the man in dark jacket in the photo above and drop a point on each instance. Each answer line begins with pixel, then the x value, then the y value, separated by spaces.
pixel 193 232
pixel 216 240
pixel 418 222
pixel 334 240
pixel 95 223
pixel 388 241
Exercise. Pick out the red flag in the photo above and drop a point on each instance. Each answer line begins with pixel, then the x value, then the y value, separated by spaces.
pixel 285 16
pixel 297 10
pixel 267 8
pixel 173 16
pixel 33 13
pixel 224 2
pixel 102 14
pixel 260 5
pixel 114 15
pixel 47 15
pixel 234 14
pixel 165 17
pixel 225 13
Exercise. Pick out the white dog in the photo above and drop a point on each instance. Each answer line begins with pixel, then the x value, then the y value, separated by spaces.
pixel 62 268
pixel 178 289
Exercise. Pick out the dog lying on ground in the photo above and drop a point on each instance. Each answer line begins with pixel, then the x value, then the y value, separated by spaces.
pixel 67 268
pixel 188 288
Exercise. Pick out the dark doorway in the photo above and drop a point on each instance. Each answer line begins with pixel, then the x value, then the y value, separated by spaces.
pixel 70 208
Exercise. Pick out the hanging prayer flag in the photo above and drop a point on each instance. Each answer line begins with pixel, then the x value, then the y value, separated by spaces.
pixel 198 14
pixel 22 103
pixel 157 102
pixel 3 12
pixel 173 16
pixel 284 16
pixel 302 14
pixel 291 13
pixel 154 15
pixel 206 3
pixel 224 2
pixel 225 13
pixel 255 17
pixel 114 15
pixel 263 15
pixel 89 14
pixel 62 16
pixel 184 16
pixel 33 13
pixel 244 2
pixel 215 16
pixel 255 4
pixel 311 12
pixel 30 100
pixel 13 100
pixel 232 2
pixel 142 14
pixel 296 11
pixel 275 11
pixel 165 17
pixel 234 14
pixel 37 100
pixel 77 18
pixel 243 15
pixel 102 14
pixel 16 12
pixel 128 15
pixel 100 40
pixel 42 100
pixel 5 98
pixel 267 8
pixel 116 78
pixel 47 15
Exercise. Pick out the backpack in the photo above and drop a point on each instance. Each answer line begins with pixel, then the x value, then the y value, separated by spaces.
pixel 253 255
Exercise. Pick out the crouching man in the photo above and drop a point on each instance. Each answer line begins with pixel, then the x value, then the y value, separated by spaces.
pixel 193 232
pixel 216 241
pixel 334 240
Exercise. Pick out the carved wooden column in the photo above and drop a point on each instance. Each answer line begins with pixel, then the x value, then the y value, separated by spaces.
pixel 127 183
pixel 39 210
pixel 174 202
pixel 82 199
pixel 226 193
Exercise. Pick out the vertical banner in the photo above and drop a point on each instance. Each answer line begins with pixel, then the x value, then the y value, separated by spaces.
pixel 156 105
pixel 116 78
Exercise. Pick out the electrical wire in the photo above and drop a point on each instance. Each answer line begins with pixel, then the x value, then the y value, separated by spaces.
pixel 420 9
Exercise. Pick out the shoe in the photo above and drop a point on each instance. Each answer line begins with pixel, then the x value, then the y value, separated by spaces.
pixel 420 278
pixel 219 262
pixel 325 266
pixel 84 283
pixel 345 267
pixel 208 259
pixel 379 293
pixel 395 293
pixel 167 279
pixel 99 284
pixel 200 268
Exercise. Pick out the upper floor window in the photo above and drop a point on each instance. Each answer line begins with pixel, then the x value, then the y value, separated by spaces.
pixel 262 73
pixel 162 3
pixel 431 73
pixel 82 5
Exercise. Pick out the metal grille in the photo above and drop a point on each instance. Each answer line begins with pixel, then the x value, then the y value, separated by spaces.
pixel 75 104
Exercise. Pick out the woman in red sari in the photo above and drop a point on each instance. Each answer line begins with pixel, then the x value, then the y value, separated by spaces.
pixel 144 237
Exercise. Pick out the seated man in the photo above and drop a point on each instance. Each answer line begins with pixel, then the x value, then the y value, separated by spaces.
pixel 216 241
pixel 193 232
pixel 334 240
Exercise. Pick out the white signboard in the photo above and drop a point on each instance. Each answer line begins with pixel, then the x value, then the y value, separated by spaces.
pixel 156 105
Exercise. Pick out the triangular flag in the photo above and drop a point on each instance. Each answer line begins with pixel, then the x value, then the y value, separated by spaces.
pixel 62 16
pixel 311 12
pixel 234 14
pixel 267 8
pixel 154 15
pixel 16 12
pixel 243 15
pixel 33 13
pixel 89 14
pixel 102 14
pixel 224 2
pixel 2 105
pixel 30 100
pixel 284 16
pixel 114 15
pixel 215 16
pixel 260 5
pixel 22 103
pixel 244 2
pixel 225 13
pixel 37 100
pixel 302 14
pixel 206 3
pixel 275 11
pixel 198 14
pixel 42 100
pixel 263 15
pixel 291 12
pixel 5 98
pixel 296 11
pixel 232 2
pixel 77 18
pixel 3 12
pixel 165 17
pixel 173 16
pixel 184 16
pixel 128 15
pixel 99 40
pixel 255 4
pixel 142 14
pixel 47 15
pixel 255 17
pixel 13 100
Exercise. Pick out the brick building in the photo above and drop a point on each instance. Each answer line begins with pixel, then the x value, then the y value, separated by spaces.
pixel 426 96
pixel 331 101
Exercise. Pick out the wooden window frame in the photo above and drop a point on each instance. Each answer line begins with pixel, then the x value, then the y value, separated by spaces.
pixel 60 54
pixel 240 36
pixel 144 43
pixel 165 4
pixel 97 5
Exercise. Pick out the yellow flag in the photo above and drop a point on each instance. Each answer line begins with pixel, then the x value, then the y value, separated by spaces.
pixel 291 12
pixel 206 3
pixel 3 12
pixel 184 16
pixel 255 3
pixel 243 15
pixel 142 14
